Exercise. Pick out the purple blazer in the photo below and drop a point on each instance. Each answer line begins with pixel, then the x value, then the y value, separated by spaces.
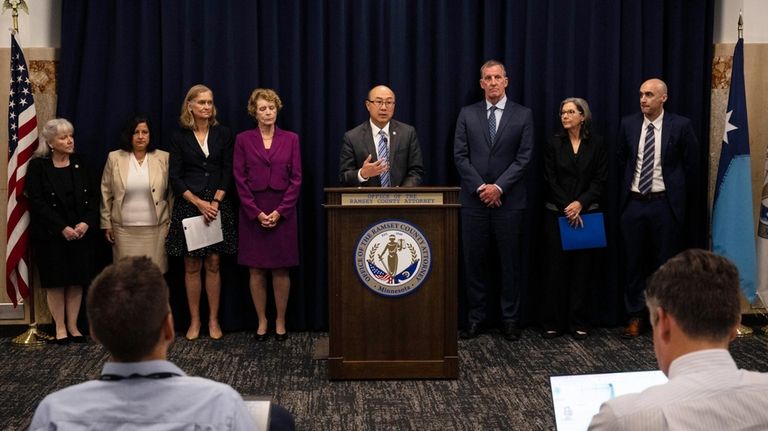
pixel 257 169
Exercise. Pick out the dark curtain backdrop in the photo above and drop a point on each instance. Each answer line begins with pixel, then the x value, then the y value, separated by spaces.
pixel 121 57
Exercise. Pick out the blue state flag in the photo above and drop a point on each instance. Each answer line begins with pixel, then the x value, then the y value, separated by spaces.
pixel 733 227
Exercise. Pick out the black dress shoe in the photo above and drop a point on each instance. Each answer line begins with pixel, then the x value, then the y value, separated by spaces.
pixel 80 339
pixel 60 341
pixel 580 334
pixel 281 337
pixel 510 331
pixel 551 333
pixel 471 331
pixel 261 337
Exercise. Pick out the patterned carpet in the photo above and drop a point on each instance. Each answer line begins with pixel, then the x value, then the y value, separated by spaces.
pixel 503 385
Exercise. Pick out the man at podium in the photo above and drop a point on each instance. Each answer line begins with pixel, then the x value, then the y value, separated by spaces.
pixel 381 152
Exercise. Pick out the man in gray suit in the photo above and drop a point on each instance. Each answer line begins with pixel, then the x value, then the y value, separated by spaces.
pixel 381 152
pixel 492 148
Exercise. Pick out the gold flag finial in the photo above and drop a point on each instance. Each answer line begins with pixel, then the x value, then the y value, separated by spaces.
pixel 14 6
pixel 741 26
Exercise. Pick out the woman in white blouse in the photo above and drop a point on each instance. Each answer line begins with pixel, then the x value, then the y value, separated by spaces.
pixel 135 198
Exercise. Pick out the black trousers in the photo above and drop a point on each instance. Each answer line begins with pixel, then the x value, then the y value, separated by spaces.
pixel 568 281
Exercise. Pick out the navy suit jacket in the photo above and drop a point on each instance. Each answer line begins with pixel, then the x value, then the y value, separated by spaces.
pixel 678 154
pixel 405 163
pixel 189 169
pixel 502 162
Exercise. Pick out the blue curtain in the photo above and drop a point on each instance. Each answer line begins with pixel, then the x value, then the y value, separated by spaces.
pixel 125 56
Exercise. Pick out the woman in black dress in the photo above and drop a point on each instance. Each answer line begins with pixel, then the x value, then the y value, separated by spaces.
pixel 200 173
pixel 575 169
pixel 64 210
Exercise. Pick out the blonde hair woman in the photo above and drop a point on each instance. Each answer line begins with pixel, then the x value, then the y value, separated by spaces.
pixel 200 172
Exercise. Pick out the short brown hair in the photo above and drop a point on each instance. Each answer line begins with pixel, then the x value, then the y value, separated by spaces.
pixel 491 63
pixel 267 94
pixel 186 120
pixel 700 289
pixel 127 306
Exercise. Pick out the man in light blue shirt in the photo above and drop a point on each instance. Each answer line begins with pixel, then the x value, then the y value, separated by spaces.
pixel 694 303
pixel 139 389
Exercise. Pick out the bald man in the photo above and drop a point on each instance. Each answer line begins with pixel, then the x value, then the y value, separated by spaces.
pixel 381 152
pixel 656 152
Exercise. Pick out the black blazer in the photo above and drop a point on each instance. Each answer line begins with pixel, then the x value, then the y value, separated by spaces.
pixel 46 198
pixel 189 169
pixel 405 164
pixel 679 149
pixel 571 177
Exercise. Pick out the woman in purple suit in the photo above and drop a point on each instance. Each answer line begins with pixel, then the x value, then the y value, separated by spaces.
pixel 267 170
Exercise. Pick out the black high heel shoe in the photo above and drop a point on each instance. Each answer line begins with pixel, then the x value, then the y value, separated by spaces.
pixel 261 337
pixel 281 337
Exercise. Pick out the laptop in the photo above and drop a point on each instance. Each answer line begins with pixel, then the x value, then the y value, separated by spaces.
pixel 258 407
pixel 578 398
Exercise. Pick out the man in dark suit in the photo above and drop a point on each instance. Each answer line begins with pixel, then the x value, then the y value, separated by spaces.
pixel 381 152
pixel 656 154
pixel 492 148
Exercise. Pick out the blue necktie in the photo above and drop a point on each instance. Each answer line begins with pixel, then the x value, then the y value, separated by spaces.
pixel 646 171
pixel 492 124
pixel 383 154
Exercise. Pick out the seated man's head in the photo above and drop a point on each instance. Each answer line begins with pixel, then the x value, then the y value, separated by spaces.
pixel 128 310
pixel 694 304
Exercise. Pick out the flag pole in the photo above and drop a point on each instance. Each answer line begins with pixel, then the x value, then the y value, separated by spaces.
pixel 32 336
pixel 743 330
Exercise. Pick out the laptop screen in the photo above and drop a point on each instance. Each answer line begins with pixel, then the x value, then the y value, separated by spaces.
pixel 578 398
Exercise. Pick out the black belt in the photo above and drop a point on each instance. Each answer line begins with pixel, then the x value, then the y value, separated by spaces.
pixel 647 197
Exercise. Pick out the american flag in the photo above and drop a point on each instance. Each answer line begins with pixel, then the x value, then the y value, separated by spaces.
pixel 22 142
pixel 379 273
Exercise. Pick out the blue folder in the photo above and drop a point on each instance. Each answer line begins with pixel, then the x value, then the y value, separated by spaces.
pixel 592 235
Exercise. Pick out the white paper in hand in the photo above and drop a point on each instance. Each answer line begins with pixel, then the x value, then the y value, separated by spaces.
pixel 199 234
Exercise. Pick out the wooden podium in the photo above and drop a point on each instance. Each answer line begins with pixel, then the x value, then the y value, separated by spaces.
pixel 392 276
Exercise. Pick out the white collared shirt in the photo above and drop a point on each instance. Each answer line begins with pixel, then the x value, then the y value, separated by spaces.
pixel 500 105
pixel 657 185
pixel 705 391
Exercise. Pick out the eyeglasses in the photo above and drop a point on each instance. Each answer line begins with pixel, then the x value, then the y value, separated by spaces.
pixel 569 112
pixel 380 103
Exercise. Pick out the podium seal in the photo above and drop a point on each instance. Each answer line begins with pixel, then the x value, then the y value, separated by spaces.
pixel 393 258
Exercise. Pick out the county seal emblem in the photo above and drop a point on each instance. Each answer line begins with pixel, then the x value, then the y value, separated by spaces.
pixel 393 258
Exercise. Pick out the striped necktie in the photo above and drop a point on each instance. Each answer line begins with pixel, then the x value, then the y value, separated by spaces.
pixel 382 153
pixel 649 152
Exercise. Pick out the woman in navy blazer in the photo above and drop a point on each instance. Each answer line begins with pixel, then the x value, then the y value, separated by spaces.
pixel 200 173
pixel 575 170
pixel 267 171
